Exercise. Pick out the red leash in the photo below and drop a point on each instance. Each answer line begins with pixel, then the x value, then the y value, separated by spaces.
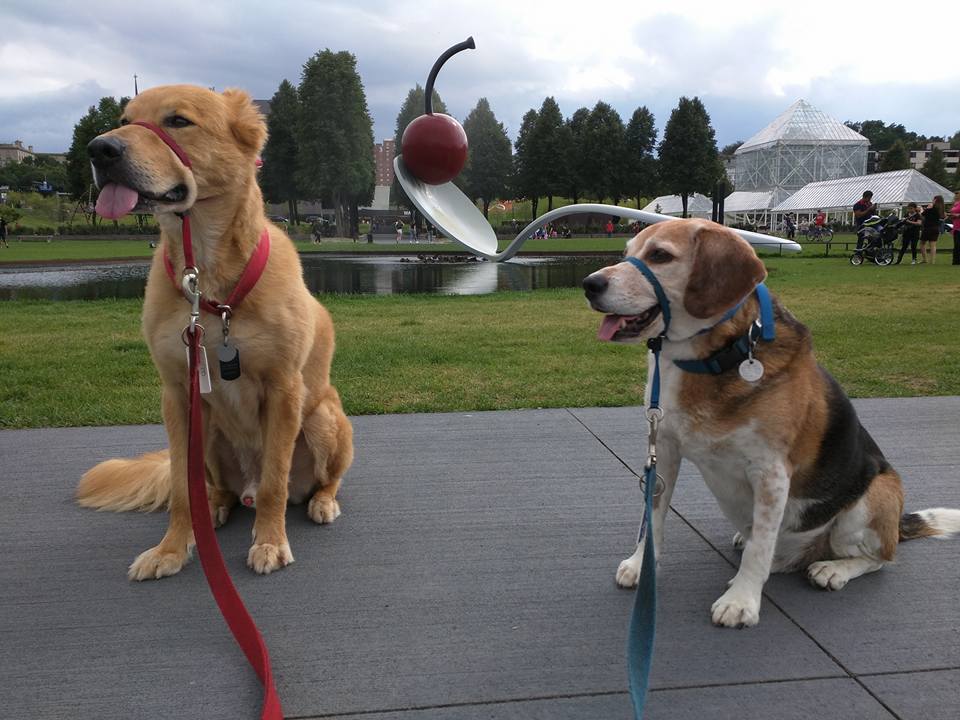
pixel 224 592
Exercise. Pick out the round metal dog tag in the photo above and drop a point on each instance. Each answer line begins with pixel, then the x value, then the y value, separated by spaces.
pixel 751 370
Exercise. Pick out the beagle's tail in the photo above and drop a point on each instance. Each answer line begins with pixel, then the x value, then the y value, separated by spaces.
pixel 141 483
pixel 935 522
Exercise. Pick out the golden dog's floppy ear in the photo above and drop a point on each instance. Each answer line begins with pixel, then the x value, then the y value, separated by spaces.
pixel 246 122
pixel 725 269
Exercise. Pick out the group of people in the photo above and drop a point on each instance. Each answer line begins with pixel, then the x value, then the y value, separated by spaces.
pixel 921 225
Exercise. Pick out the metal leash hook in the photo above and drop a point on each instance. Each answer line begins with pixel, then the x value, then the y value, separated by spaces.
pixel 190 284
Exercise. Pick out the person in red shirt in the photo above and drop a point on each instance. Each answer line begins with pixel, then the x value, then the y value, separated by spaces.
pixel 609 228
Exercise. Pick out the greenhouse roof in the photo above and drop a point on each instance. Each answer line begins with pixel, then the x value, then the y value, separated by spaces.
pixel 802 123
pixel 745 201
pixel 697 204
pixel 889 188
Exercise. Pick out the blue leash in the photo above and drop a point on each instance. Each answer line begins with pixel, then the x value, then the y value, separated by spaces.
pixel 643 620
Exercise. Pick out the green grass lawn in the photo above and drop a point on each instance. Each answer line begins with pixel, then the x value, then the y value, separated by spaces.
pixel 881 331
pixel 100 249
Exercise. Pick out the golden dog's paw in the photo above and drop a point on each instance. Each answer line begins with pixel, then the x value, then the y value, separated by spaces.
pixel 323 510
pixel 264 558
pixel 219 515
pixel 155 563
pixel 736 608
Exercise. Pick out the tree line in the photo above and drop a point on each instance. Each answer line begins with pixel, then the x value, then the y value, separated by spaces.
pixel 320 147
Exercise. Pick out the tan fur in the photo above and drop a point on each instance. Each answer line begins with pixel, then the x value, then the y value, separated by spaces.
pixel 283 402
pixel 885 503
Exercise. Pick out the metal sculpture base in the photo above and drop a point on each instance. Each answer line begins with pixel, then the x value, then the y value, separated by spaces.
pixel 457 217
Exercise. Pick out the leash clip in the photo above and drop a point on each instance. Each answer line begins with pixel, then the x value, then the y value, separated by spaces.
pixel 226 312
pixel 190 284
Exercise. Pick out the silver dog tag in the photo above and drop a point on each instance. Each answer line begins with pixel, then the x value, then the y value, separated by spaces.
pixel 204 370
pixel 751 370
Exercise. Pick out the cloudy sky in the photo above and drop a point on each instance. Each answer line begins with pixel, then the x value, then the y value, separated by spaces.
pixel 747 60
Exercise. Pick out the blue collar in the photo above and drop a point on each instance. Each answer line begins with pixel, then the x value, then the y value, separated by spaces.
pixel 739 350
pixel 722 360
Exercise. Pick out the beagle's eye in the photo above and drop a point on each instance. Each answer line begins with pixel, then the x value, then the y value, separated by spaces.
pixel 659 256
pixel 177 121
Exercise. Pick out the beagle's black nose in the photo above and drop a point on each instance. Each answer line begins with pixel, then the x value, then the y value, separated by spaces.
pixel 595 284
pixel 106 151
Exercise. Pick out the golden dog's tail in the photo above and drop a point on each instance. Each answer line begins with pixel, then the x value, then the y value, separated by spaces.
pixel 942 522
pixel 141 483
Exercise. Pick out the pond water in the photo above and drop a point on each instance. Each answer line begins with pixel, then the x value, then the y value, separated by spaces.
pixel 380 275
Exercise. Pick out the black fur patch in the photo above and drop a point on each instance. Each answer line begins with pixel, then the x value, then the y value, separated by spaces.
pixel 848 461
pixel 913 526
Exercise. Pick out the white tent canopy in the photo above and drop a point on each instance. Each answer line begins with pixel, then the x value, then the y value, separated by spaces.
pixel 697 205
pixel 892 189
pixel 744 201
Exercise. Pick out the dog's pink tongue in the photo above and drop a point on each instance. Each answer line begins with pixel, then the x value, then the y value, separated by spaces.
pixel 609 326
pixel 115 201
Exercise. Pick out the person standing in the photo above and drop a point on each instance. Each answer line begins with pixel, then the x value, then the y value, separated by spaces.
pixel 862 209
pixel 609 228
pixel 3 232
pixel 399 228
pixel 911 232
pixel 955 216
pixel 933 215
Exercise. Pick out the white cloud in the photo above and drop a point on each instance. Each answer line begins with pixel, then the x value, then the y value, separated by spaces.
pixel 748 60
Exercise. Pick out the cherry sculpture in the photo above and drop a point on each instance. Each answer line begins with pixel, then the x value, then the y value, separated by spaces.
pixel 434 145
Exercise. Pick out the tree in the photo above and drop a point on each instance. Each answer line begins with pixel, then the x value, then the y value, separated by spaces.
pixel 525 181
pixel 103 117
pixel 577 150
pixel 335 136
pixel 640 173
pixel 935 167
pixel 955 141
pixel 549 158
pixel 412 107
pixel 278 178
pixel 689 161
pixel 604 150
pixel 896 158
pixel 730 148
pixel 488 160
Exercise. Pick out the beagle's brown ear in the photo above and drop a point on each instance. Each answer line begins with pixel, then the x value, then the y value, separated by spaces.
pixel 246 122
pixel 725 268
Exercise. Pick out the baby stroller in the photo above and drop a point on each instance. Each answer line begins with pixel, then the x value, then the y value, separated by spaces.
pixel 875 240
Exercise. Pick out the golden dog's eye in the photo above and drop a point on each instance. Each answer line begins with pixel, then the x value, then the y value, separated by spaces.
pixel 124 121
pixel 177 121
pixel 659 256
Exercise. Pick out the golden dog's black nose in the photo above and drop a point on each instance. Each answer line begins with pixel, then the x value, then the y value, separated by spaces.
pixel 105 151
pixel 595 284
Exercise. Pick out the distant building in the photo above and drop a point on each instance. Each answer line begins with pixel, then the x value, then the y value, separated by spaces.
pixel 918 157
pixel 15 152
pixel 383 156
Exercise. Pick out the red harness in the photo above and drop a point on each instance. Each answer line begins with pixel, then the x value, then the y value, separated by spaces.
pixel 224 592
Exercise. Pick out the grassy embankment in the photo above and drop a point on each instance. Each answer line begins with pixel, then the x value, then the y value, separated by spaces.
pixel 881 331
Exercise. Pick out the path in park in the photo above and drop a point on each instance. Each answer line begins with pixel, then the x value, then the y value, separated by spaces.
pixel 470 576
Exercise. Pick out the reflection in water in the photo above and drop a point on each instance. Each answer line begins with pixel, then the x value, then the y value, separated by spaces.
pixel 380 275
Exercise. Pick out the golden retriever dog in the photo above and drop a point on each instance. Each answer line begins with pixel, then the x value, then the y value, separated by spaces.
pixel 277 433
pixel 785 455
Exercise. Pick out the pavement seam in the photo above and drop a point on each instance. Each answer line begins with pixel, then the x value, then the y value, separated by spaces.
pixel 849 673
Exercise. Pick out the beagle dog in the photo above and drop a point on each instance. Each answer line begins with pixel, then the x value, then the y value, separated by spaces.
pixel 792 468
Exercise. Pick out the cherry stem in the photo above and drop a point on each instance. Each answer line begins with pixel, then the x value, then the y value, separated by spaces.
pixel 467 44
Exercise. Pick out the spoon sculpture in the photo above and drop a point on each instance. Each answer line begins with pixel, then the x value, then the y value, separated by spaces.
pixel 457 217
